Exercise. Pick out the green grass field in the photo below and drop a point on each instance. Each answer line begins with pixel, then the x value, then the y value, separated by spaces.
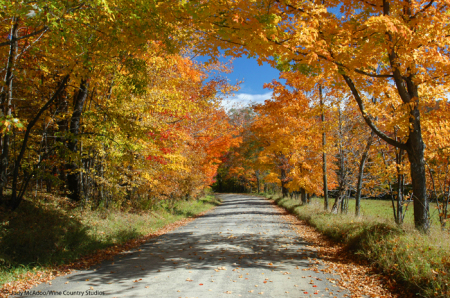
pixel 381 210
pixel 420 262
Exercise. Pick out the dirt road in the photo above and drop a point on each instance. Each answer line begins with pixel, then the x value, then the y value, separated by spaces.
pixel 243 248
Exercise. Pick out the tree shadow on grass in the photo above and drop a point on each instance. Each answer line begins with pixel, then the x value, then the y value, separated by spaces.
pixel 45 235
pixel 213 202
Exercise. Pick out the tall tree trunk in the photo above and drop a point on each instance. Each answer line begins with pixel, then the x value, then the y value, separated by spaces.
pixel 337 202
pixel 391 192
pixel 6 104
pixel 284 190
pixel 341 176
pixel 362 164
pixel 74 177
pixel 400 186
pixel 303 196
pixel 324 154
pixel 415 149
pixel 344 203
pixel 257 181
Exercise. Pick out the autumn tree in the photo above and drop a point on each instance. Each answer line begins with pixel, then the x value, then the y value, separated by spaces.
pixel 238 168
pixel 290 129
pixel 102 102
pixel 395 51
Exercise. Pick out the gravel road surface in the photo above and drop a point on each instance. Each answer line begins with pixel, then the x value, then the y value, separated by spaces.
pixel 242 248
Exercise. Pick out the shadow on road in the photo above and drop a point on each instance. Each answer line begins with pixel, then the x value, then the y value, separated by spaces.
pixel 244 234
pixel 242 241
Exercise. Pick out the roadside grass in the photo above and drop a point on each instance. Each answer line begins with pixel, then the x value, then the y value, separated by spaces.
pixel 419 262
pixel 42 235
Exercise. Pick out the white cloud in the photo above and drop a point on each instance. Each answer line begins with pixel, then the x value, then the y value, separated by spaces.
pixel 245 99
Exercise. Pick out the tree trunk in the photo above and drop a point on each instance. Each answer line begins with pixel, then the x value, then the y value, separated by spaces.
pixel 324 154
pixel 257 181
pixel 74 177
pixel 341 175
pixel 400 185
pixel 303 196
pixel 362 164
pixel 337 203
pixel 6 104
pixel 415 149
pixel 342 192
pixel 284 190
pixel 344 203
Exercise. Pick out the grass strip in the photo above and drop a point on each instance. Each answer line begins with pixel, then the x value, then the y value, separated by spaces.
pixel 421 263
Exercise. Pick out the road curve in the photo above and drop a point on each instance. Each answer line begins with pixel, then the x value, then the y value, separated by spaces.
pixel 242 248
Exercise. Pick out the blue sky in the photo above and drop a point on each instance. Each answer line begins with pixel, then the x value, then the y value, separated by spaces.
pixel 253 77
